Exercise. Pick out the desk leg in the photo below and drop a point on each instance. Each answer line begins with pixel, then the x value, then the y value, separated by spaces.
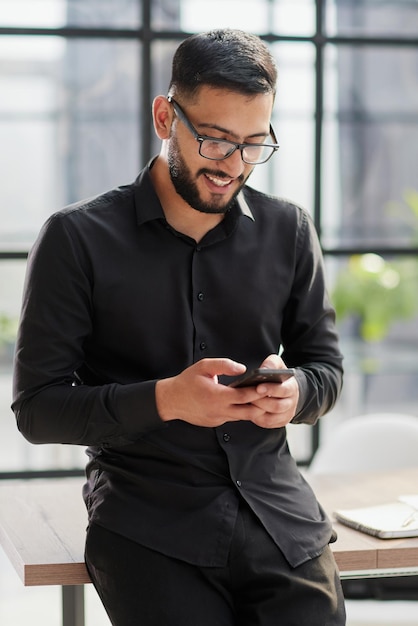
pixel 73 605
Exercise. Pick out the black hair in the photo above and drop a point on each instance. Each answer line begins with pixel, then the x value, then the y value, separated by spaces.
pixel 224 58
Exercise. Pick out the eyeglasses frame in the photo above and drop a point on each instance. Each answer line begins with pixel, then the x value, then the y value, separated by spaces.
pixel 234 145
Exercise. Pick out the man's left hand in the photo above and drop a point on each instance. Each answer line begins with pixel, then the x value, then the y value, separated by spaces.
pixel 278 401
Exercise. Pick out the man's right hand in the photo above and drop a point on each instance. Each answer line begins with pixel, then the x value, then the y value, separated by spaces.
pixel 196 396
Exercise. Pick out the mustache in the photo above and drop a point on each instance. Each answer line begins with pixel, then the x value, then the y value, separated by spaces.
pixel 218 174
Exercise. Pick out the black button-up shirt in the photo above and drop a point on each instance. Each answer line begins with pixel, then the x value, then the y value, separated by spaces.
pixel 116 299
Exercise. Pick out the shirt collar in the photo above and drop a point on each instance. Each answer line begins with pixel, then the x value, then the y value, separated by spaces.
pixel 147 203
pixel 148 206
pixel 244 207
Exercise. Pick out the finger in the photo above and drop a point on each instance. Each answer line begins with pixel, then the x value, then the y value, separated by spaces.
pixel 276 390
pixel 273 361
pixel 273 421
pixel 217 367
pixel 275 406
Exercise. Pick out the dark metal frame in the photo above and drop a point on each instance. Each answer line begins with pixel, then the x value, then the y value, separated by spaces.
pixel 147 36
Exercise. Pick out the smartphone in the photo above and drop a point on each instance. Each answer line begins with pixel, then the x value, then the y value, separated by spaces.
pixel 262 375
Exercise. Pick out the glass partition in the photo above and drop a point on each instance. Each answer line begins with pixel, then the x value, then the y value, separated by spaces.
pixel 370 151
pixel 376 302
pixel 16 453
pixel 397 18
pixel 61 13
pixel 69 126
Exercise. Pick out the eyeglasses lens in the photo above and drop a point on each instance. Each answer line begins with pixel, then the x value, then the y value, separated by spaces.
pixel 219 150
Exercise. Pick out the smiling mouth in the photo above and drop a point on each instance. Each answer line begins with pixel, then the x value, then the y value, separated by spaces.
pixel 219 182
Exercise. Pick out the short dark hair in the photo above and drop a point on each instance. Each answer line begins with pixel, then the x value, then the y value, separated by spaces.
pixel 225 58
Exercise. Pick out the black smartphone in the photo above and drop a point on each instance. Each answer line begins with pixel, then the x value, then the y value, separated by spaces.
pixel 262 375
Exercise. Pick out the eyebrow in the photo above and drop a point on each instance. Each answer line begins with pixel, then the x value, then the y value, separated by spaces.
pixel 229 132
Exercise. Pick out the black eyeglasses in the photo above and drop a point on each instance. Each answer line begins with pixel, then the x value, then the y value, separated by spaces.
pixel 219 149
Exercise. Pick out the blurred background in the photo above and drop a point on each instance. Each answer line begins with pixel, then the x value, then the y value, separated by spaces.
pixel 77 80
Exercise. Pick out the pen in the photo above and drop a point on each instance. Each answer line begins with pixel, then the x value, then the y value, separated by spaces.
pixel 412 516
pixel 409 519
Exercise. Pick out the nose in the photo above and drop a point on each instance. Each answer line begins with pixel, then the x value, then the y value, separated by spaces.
pixel 233 165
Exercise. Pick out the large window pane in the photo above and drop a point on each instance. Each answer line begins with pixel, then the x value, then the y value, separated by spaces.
pixel 252 15
pixel 290 172
pixel 285 17
pixel 59 13
pixel 376 301
pixel 13 446
pixel 16 453
pixel 370 146
pixel 291 169
pixel 69 126
pixel 11 284
pixel 293 17
pixel 372 17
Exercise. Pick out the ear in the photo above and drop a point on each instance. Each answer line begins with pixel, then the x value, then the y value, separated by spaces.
pixel 162 115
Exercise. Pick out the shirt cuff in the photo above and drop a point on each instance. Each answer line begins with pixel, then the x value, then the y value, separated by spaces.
pixel 137 409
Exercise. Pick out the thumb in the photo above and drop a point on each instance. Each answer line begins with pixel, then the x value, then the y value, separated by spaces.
pixel 273 361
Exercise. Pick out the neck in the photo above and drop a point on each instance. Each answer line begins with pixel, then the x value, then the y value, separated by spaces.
pixel 180 215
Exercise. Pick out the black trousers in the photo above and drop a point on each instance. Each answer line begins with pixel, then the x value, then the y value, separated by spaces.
pixel 140 587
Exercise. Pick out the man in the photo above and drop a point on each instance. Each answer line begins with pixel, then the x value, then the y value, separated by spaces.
pixel 141 305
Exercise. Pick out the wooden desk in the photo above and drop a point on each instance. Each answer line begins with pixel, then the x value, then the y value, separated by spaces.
pixel 42 530
pixel 357 554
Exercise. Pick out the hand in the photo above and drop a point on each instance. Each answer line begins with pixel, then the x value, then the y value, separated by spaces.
pixel 277 401
pixel 195 396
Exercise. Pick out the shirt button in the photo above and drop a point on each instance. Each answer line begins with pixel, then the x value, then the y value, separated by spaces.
pixel 200 296
pixel 226 437
pixel 239 483
pixel 203 346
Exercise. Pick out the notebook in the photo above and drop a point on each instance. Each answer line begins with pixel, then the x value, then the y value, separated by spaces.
pixel 386 521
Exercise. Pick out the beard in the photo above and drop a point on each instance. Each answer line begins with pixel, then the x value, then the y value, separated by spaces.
pixel 186 186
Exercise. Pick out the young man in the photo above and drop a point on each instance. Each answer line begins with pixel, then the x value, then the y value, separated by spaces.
pixel 140 306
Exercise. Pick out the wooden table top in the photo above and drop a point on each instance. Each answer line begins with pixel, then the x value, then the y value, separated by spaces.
pixel 43 522
pixel 353 549
pixel 42 530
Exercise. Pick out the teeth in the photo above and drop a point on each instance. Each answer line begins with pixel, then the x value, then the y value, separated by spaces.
pixel 219 182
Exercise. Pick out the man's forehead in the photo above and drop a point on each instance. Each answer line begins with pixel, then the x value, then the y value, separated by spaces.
pixel 232 112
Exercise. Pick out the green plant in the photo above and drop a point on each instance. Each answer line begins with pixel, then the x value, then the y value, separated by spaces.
pixel 8 329
pixel 407 212
pixel 376 292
